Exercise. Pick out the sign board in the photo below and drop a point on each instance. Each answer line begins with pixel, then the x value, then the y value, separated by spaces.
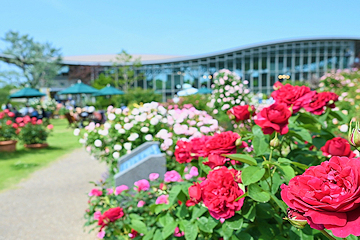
pixel 143 160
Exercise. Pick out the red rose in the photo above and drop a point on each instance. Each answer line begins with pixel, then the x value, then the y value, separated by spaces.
pixel 337 147
pixel 295 96
pixel 15 125
pixel 9 122
pixel 19 119
pixel 195 195
pixel 328 196
pixel 241 113
pixel 274 118
pixel 6 111
pixel 319 101
pixel 11 114
pixel 219 192
pixel 197 146
pixel 182 152
pixel 277 85
pixel 27 119
pixel 221 143
pixel 110 215
pixel 215 160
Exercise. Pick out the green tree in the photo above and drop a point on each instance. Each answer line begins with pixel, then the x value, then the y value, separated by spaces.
pixel 125 70
pixel 39 62
pixel 102 81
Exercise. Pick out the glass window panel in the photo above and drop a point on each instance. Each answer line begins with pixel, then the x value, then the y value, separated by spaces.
pixel 238 63
pixel 247 64
pixel 263 79
pixel 273 79
pixel 230 64
pixel 221 64
pixel 264 63
pixel 256 63
pixel 256 81
pixel 288 62
pixel 272 63
pixel 281 64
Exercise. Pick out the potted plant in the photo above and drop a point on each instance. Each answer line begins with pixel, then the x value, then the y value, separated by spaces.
pixel 34 133
pixel 8 131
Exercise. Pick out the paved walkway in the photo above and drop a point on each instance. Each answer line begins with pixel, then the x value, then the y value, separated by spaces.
pixel 50 205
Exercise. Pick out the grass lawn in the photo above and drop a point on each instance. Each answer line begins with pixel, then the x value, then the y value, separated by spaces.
pixel 19 165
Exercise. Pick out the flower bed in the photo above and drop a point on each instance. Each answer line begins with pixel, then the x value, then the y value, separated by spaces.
pixel 127 129
pixel 285 162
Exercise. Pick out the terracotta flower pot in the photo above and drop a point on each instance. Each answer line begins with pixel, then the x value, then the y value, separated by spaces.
pixel 8 146
pixel 36 145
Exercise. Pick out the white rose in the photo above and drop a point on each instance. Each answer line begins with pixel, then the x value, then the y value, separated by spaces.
pixel 117 147
pixel 117 126
pixel 344 128
pixel 111 116
pixel 98 143
pixel 154 121
pixel 76 132
pixel 121 131
pixel 128 126
pixel 144 129
pixel 135 111
pixel 82 141
pixel 127 146
pixel 118 111
pixel 148 137
pixel 107 125
pixel 133 137
pixel 116 155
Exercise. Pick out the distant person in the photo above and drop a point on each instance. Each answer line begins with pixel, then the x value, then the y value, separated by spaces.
pixel 8 106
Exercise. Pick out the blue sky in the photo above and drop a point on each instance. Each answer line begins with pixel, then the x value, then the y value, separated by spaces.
pixel 174 27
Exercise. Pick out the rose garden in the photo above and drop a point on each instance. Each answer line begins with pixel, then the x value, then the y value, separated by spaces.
pixel 235 169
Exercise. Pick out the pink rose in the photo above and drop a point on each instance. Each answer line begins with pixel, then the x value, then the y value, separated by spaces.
pixel 120 188
pixel 97 215
pixel 141 203
pixel 194 171
pixel 153 176
pixel 172 176
pixel 142 185
pixel 95 192
pixel 163 199
pixel 50 126
pixel 109 191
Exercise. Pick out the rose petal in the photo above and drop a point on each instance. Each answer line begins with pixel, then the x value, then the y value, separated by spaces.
pixel 334 218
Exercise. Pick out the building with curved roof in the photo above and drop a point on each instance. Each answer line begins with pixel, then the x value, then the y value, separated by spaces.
pixel 302 59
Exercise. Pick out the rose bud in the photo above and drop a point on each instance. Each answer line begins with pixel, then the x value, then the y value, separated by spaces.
pixel 275 142
pixel 238 141
pixel 296 218
pixel 354 135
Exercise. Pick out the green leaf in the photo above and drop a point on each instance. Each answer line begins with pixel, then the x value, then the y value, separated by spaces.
pixel 198 211
pixel 252 174
pixel 157 234
pixel 165 219
pixel 227 231
pixel 257 193
pixel 207 224
pixel 259 142
pixel 235 222
pixel 299 165
pixel 191 230
pixel 204 167
pixel 149 235
pixel 182 211
pixel 277 181
pixel 174 192
pixel 249 211
pixel 139 226
pixel 280 203
pixel 244 236
pixel 169 229
pixel 242 158
pixel 135 216
pixel 288 171
pixel 264 211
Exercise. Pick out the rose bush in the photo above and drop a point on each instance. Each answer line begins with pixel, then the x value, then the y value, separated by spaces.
pixel 127 129
pixel 227 183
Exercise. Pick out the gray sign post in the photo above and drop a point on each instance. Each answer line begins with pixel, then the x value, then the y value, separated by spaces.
pixel 143 160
